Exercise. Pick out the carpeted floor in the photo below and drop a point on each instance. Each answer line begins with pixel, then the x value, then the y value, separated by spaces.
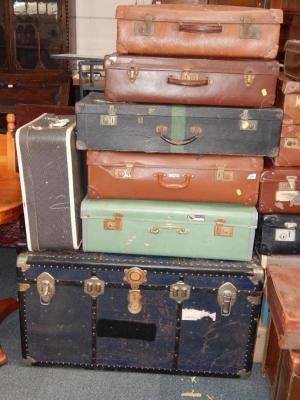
pixel 19 382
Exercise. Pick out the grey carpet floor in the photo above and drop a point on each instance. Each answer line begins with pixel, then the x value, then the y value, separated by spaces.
pixel 20 382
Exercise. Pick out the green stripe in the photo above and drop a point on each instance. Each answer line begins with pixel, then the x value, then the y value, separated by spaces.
pixel 178 126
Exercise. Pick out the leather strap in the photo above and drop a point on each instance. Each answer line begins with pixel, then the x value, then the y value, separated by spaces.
pixel 183 82
pixel 196 28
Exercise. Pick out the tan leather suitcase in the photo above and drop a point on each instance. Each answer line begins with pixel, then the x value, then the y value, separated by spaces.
pixel 243 83
pixel 289 149
pixel 173 177
pixel 288 98
pixel 279 190
pixel 198 31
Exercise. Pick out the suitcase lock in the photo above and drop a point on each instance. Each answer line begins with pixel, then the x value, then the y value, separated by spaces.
pixel 180 292
pixel 292 143
pixel 146 27
pixel 222 230
pixel 227 295
pixel 135 277
pixel 132 72
pixel 287 191
pixel 248 30
pixel 45 287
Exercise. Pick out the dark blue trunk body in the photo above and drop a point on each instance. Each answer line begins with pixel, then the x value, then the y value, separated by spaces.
pixel 191 337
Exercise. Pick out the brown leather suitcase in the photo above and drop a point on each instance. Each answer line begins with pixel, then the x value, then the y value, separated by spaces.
pixel 244 3
pixel 198 31
pixel 292 59
pixel 289 150
pixel 288 98
pixel 289 377
pixel 279 190
pixel 243 83
pixel 280 364
pixel 173 177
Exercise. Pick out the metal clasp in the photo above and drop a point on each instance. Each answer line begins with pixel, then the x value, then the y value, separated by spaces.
pixel 125 172
pixel 113 224
pixel 287 190
pixel 248 30
pixel 132 72
pixel 222 230
pixel 187 75
pixel 249 78
pixel 146 27
pixel 135 277
pixel 292 143
pixel 45 284
pixel 94 287
pixel 227 295
pixel 222 175
pixel 245 124
pixel 180 292
pixel 109 119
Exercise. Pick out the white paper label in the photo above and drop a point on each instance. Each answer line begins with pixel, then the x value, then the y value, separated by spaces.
pixel 285 235
pixel 251 177
pixel 191 314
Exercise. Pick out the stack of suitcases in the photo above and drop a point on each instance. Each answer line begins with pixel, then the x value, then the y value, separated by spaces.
pixel 167 281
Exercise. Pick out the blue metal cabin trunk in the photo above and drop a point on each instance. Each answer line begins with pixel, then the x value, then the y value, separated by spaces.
pixel 151 314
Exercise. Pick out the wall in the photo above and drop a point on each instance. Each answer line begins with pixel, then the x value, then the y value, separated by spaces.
pixel 92 25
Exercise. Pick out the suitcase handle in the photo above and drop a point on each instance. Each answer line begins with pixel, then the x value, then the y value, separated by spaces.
pixel 185 82
pixel 193 28
pixel 162 129
pixel 179 185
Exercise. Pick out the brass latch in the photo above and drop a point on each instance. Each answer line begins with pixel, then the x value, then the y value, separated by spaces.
pixel 287 190
pixel 135 277
pixel 109 119
pixel 227 295
pixel 292 143
pixel 132 72
pixel 190 76
pixel 146 27
pixel 45 284
pixel 94 287
pixel 249 78
pixel 247 124
pixel 222 230
pixel 222 175
pixel 180 292
pixel 113 224
pixel 125 172
pixel 248 30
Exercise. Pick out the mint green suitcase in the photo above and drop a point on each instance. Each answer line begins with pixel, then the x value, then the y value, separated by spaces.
pixel 181 229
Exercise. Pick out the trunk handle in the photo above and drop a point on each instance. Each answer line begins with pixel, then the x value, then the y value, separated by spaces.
pixel 196 28
pixel 183 82
pixel 179 185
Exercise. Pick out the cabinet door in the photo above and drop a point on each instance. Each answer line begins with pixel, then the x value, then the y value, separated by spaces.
pixel 3 53
pixel 39 32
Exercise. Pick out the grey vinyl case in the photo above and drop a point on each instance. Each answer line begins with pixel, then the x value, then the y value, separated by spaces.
pixel 51 182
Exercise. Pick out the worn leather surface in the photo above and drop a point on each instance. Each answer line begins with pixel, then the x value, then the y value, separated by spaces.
pixel 289 377
pixel 165 36
pixel 292 59
pixel 289 150
pixel 288 98
pixel 270 184
pixel 283 297
pixel 207 82
pixel 173 177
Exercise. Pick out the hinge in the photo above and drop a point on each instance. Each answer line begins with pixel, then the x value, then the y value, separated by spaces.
pixel 45 285
pixel 113 224
pixel 22 262
pixel 248 30
pixel 94 287
pixel 135 277
pixel 227 295
pixel 258 276
pixel 180 292
pixel 146 27
pixel 22 287
pixel 222 230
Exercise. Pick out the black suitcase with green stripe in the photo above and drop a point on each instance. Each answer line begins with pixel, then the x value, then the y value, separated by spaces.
pixel 153 128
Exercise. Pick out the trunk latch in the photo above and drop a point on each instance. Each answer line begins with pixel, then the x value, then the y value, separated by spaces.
pixel 248 30
pixel 227 295
pixel 94 287
pixel 146 27
pixel 45 287
pixel 135 277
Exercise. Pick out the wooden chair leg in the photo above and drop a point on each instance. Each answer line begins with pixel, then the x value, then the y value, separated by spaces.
pixel 7 306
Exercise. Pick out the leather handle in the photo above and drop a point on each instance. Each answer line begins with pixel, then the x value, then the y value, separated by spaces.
pixel 183 82
pixel 179 142
pixel 174 185
pixel 196 28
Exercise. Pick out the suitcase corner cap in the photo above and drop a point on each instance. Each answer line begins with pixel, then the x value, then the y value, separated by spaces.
pixel 22 262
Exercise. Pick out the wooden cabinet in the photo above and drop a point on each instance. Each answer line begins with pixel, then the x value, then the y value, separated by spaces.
pixel 30 31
